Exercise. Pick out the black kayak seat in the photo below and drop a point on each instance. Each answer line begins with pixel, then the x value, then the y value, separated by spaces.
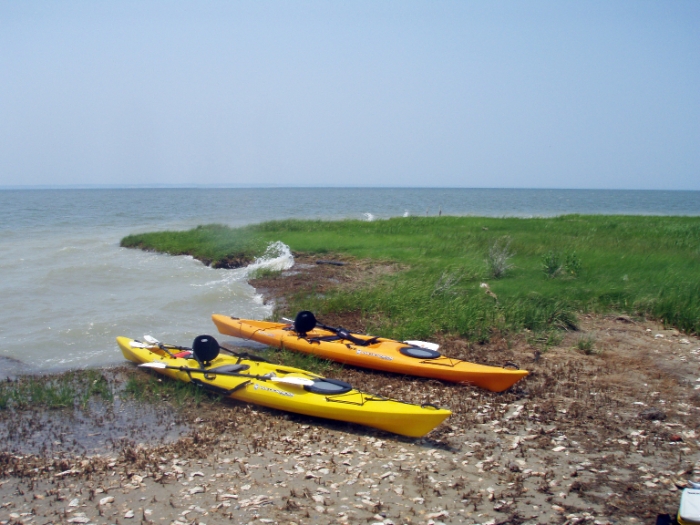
pixel 304 322
pixel 328 386
pixel 205 348
pixel 419 353
pixel 228 369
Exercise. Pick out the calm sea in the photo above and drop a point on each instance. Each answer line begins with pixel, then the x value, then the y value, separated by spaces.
pixel 67 289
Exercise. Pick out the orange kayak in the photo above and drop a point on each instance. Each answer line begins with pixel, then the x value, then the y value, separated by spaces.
pixel 371 352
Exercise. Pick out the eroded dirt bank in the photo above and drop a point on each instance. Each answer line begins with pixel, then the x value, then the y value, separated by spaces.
pixel 603 432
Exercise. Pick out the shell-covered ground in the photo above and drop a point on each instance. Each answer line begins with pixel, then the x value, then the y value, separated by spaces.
pixel 603 430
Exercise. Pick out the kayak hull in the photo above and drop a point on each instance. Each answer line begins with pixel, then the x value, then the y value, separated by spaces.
pixel 353 407
pixel 383 355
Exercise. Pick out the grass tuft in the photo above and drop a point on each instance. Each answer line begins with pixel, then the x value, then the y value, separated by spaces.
pixel 554 265
pixel 586 344
pixel 499 257
pixel 447 283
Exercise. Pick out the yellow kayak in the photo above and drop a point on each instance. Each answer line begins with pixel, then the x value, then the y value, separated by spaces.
pixel 255 381
pixel 377 353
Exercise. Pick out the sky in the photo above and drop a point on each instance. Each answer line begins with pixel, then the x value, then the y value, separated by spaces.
pixel 503 94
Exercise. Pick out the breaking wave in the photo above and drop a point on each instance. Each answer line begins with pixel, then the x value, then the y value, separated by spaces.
pixel 277 257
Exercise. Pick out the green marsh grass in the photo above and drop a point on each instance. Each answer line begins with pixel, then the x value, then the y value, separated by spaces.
pixel 213 244
pixel 642 265
pixel 96 385
pixel 146 387
pixel 66 390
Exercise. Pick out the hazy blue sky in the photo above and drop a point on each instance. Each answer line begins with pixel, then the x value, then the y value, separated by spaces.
pixel 466 94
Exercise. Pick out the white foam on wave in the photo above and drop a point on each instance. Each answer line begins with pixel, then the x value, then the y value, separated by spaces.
pixel 277 257
pixel 259 299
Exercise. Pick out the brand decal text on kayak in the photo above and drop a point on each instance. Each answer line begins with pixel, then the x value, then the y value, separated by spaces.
pixel 268 389
pixel 372 354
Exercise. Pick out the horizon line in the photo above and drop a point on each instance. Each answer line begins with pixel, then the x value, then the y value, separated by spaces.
pixel 309 186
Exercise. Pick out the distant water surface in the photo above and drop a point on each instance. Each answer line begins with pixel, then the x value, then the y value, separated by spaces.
pixel 67 289
pixel 165 208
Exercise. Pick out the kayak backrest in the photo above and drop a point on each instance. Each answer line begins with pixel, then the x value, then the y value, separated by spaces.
pixel 205 348
pixel 304 322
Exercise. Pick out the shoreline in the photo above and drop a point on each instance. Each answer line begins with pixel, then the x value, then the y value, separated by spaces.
pixel 519 457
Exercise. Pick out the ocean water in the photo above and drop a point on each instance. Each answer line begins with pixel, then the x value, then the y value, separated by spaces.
pixel 67 289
